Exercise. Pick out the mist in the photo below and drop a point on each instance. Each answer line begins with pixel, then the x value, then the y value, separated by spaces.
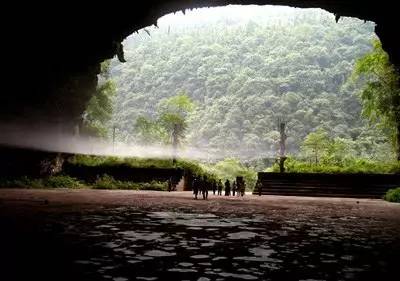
pixel 51 139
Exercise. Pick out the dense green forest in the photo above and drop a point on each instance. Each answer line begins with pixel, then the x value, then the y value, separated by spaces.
pixel 243 74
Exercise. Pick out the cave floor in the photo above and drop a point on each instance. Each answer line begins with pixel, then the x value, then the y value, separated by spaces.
pixel 84 234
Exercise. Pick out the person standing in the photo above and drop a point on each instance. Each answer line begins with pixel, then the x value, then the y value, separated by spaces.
pixel 243 188
pixel 220 186
pixel 214 186
pixel 233 188
pixel 204 188
pixel 170 184
pixel 227 188
pixel 259 187
pixel 195 186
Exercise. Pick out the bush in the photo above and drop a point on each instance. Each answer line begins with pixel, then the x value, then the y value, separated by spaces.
pixel 154 185
pixel 22 182
pixel 352 165
pixel 49 182
pixel 393 195
pixel 108 182
pixel 61 181
pixel 194 167
pixel 134 162
pixel 231 168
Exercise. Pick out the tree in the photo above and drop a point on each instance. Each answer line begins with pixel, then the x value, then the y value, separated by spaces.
pixel 282 144
pixel 381 93
pixel 173 118
pixel 316 144
pixel 100 108
pixel 173 115
pixel 149 131
pixel 172 122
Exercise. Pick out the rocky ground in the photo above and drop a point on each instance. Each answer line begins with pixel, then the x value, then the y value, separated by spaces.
pixel 136 235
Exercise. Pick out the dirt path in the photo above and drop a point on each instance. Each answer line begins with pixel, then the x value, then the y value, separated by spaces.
pixel 79 199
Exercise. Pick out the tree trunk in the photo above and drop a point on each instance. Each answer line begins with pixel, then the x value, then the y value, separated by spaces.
pixel 282 145
pixel 174 145
pixel 282 164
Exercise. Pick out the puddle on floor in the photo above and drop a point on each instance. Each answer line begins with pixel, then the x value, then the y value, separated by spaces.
pixel 123 244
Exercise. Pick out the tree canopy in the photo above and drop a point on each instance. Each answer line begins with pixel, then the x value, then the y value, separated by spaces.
pixel 380 94
pixel 171 122
pixel 100 108
pixel 244 74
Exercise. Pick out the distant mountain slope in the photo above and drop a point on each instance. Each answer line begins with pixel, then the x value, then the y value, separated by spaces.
pixel 243 74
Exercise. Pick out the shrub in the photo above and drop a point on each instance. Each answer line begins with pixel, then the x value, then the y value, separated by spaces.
pixel 49 182
pixel 104 182
pixel 393 195
pixel 154 185
pixel 23 182
pixel 230 168
pixel 194 167
pixel 351 165
pixel 108 182
pixel 61 181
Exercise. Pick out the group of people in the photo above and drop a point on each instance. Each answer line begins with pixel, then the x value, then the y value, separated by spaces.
pixel 203 185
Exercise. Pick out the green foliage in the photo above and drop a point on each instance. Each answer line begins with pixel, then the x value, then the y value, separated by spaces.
pixel 192 166
pixel 351 165
pixel 231 168
pixel 196 168
pixel 393 195
pixel 100 108
pixel 171 123
pixel 241 75
pixel 59 181
pixel 108 182
pixel 135 162
pixel 380 94
pixel 315 144
pixel 324 154
pixel 149 131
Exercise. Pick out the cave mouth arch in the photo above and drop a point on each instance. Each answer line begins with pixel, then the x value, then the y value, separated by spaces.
pixel 168 30
pixel 60 73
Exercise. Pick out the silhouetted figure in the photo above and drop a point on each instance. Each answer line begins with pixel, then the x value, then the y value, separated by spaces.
pixel 204 188
pixel 214 186
pixel 243 188
pixel 227 188
pixel 234 188
pixel 195 186
pixel 170 184
pixel 220 186
pixel 259 187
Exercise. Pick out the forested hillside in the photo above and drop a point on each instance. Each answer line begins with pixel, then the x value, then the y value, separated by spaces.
pixel 243 74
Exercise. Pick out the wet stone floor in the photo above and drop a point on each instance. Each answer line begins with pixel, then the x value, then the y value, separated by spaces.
pixel 122 244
